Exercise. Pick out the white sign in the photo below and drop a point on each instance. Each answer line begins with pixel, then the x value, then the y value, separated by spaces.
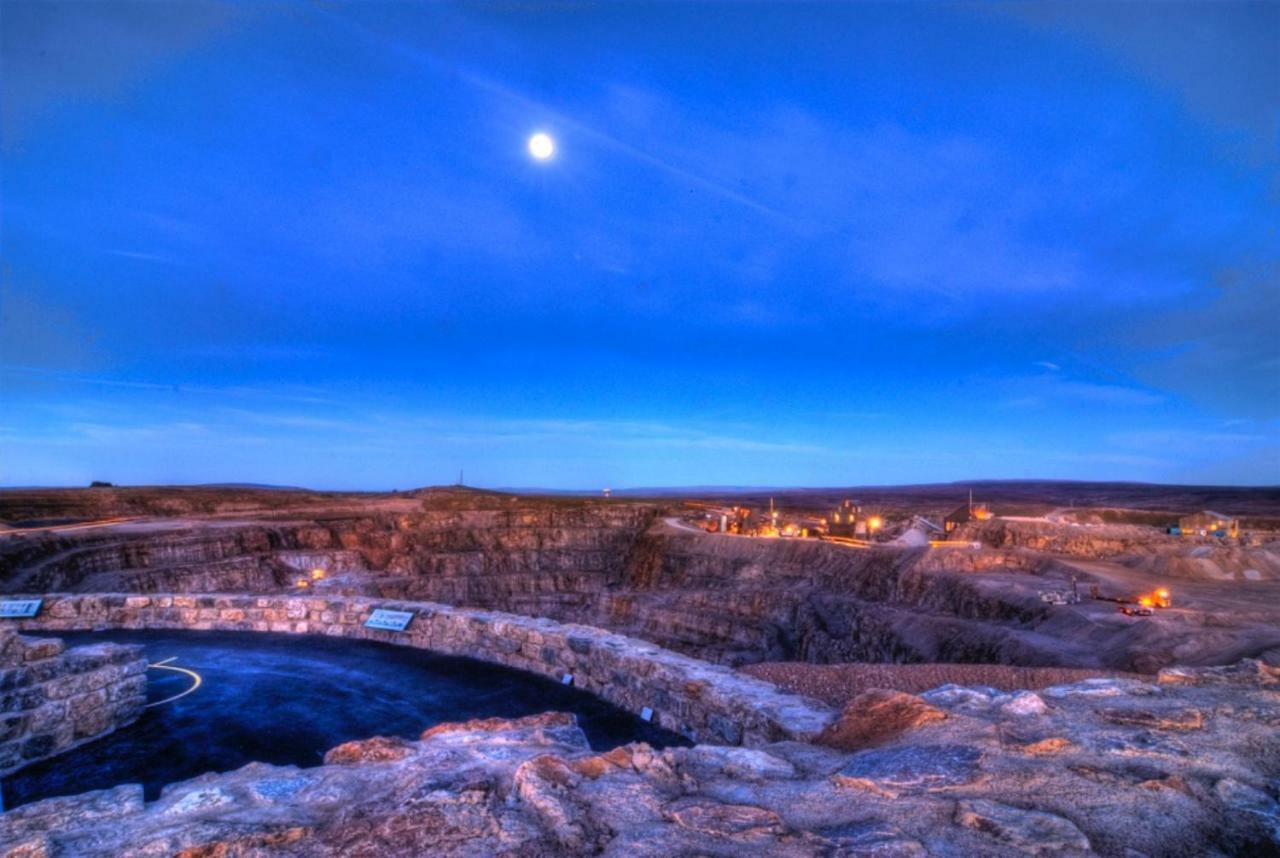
pixel 392 621
pixel 20 607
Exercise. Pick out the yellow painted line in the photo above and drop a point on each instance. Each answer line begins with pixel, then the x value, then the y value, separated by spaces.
pixel 846 542
pixel 84 525
pixel 164 665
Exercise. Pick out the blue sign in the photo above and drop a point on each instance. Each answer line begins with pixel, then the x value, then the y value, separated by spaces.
pixel 392 621
pixel 20 607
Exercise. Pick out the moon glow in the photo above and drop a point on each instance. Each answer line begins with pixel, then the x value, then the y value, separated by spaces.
pixel 541 146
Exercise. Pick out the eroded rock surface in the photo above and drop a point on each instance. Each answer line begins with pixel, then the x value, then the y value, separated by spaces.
pixel 1067 779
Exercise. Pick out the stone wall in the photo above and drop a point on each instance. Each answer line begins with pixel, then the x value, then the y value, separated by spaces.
pixel 52 698
pixel 705 702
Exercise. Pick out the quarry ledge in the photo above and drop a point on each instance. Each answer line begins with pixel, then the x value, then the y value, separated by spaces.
pixel 705 702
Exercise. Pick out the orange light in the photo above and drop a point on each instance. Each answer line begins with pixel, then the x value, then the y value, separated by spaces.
pixel 874 522
pixel 1145 601
pixel 302 583
pixel 1162 593
pixel 317 574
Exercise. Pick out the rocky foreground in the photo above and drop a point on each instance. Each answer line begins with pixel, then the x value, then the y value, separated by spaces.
pixel 1187 765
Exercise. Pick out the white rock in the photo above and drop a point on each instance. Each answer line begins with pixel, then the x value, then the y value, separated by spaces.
pixel 950 696
pixel 1100 687
pixel 197 800
pixel 742 762
pixel 1024 704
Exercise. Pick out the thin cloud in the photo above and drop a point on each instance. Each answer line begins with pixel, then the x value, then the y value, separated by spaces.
pixel 1185 440
pixel 71 378
pixel 555 117
pixel 144 257
pixel 1049 390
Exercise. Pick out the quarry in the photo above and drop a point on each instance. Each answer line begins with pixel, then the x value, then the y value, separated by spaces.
pixel 810 696
pixel 865 419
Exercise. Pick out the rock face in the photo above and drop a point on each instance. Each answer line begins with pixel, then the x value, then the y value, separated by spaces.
pixel 966 785
pixel 476 554
pixel 52 698
pixel 624 566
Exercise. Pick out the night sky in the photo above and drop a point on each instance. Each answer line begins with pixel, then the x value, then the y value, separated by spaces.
pixel 800 244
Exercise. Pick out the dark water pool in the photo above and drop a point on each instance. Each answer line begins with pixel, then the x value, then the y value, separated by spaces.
pixel 287 699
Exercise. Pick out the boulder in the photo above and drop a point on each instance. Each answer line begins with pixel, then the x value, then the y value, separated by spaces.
pixel 543 720
pixel 545 786
pixel 872 839
pixel 911 769
pixel 1100 687
pixel 725 821
pixel 1249 671
pixel 1179 719
pixel 961 697
pixel 876 716
pixel 1033 832
pixel 1253 804
pixel 379 749
pixel 743 763
pixel 1045 747
pixel 1024 704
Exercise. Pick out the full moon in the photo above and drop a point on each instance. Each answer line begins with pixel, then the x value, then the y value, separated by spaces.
pixel 541 146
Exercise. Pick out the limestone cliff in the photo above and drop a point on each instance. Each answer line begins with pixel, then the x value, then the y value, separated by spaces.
pixel 623 566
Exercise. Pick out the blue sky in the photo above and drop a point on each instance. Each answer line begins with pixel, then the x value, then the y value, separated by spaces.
pixel 794 244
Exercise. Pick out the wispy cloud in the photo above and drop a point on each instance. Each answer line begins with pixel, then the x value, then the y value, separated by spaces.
pixel 73 379
pixel 1054 390
pixel 357 425
pixel 1186 440
pixel 599 433
pixel 143 257
pixel 554 118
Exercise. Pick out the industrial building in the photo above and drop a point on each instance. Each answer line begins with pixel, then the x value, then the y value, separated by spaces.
pixel 963 514
pixel 844 521
pixel 1208 523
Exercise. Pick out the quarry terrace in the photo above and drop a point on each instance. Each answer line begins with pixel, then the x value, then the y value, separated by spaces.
pixel 1024 673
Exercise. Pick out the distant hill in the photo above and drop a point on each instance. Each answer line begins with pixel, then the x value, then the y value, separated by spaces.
pixel 1011 497
pixel 1008 497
